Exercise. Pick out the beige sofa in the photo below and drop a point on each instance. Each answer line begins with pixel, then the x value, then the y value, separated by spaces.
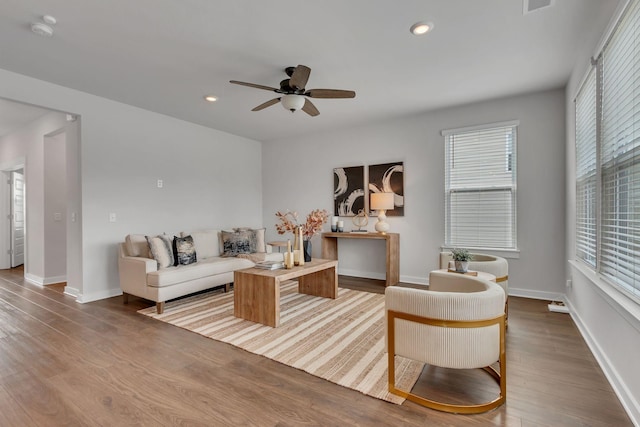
pixel 140 275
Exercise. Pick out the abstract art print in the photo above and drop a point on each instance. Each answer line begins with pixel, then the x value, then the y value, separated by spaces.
pixel 388 178
pixel 348 190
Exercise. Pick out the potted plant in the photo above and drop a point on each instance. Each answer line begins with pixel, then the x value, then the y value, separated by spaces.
pixel 461 257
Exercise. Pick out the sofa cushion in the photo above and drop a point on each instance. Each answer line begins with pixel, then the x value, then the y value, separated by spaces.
pixel 206 242
pixel 184 250
pixel 161 248
pixel 137 245
pixel 182 273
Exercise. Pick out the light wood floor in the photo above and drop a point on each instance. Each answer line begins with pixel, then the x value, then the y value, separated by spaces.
pixel 64 363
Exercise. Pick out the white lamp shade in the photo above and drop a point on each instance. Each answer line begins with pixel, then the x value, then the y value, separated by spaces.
pixel 381 201
pixel 292 102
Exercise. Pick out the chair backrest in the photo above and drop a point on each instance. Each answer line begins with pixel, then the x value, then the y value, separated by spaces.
pixel 450 347
pixel 495 265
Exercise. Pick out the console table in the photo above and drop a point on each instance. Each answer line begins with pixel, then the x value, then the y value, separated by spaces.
pixel 392 241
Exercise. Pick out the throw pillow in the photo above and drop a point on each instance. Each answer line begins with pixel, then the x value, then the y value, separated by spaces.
pixel 161 250
pixel 206 243
pixel 137 245
pixel 260 244
pixel 238 242
pixel 185 250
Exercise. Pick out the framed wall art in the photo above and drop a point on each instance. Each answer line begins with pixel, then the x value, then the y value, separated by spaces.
pixel 388 178
pixel 348 190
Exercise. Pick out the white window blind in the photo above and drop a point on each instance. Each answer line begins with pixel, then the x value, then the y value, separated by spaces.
pixel 480 186
pixel 620 154
pixel 586 170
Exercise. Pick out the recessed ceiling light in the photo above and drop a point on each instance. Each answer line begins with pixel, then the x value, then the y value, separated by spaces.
pixel 420 28
pixel 211 98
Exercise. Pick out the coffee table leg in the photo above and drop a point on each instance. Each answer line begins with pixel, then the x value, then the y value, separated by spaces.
pixel 257 298
pixel 323 283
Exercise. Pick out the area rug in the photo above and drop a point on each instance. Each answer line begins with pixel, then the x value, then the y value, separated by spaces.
pixel 341 340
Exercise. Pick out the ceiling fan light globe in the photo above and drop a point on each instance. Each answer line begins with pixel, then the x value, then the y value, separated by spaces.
pixel 292 102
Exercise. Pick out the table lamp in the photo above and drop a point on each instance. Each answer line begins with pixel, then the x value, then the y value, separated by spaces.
pixel 381 202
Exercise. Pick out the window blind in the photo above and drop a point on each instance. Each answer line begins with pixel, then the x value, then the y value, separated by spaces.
pixel 480 187
pixel 620 154
pixel 586 170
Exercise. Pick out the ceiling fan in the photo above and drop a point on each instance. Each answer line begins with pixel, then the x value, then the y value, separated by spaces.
pixel 294 95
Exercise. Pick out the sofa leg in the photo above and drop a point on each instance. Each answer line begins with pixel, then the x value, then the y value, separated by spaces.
pixel 160 307
pixel 227 287
pixel 125 298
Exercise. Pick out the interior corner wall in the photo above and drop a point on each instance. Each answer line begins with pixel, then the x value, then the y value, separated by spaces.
pixel 28 143
pixel 211 179
pixel 298 175
pixel 608 319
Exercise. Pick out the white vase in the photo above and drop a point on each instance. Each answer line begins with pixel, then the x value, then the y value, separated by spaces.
pixel 462 266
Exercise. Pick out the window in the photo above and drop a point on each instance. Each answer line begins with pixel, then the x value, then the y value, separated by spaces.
pixel 608 236
pixel 586 173
pixel 480 186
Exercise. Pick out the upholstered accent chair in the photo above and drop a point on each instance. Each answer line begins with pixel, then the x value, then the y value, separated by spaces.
pixel 491 264
pixel 457 323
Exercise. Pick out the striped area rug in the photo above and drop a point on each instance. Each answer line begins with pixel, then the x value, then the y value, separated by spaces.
pixel 340 340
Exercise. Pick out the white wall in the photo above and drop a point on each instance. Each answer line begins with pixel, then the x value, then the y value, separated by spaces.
pixel 298 175
pixel 608 319
pixel 55 208
pixel 28 144
pixel 211 178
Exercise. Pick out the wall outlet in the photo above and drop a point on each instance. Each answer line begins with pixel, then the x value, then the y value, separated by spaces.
pixel 112 217
pixel 73 217
pixel 57 216
pixel 160 183
pixel 569 283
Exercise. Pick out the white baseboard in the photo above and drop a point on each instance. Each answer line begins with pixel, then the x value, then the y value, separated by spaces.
pixel 364 274
pixel 415 280
pixel 72 292
pixel 95 296
pixel 54 279
pixel 630 404
pixel 33 279
pixel 43 281
pixel 543 295
pixel 381 276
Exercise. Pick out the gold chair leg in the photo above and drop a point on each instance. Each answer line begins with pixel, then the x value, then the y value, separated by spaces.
pixel 499 377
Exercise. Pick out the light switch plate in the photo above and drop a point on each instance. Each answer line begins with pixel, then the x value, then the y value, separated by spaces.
pixel 112 217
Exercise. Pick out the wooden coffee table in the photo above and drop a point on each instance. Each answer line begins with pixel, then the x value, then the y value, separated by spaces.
pixel 256 292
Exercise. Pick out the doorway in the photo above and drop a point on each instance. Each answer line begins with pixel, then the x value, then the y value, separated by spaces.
pixel 17 215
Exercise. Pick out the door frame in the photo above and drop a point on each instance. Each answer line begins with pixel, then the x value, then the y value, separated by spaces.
pixel 5 205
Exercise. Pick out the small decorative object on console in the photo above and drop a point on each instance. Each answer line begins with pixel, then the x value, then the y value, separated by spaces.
pixel 360 220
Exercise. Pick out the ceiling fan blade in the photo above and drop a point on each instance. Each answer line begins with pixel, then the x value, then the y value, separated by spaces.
pixel 330 93
pixel 299 77
pixel 266 104
pixel 235 82
pixel 309 108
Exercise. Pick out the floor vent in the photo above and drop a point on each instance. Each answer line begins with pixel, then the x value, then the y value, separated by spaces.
pixel 534 5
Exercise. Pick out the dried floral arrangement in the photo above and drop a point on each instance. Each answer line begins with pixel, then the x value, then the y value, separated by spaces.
pixel 313 225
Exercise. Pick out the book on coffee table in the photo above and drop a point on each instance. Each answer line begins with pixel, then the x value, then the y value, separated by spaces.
pixel 270 265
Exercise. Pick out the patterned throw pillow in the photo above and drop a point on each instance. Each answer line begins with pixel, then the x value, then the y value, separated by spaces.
pixel 260 245
pixel 161 250
pixel 238 242
pixel 184 250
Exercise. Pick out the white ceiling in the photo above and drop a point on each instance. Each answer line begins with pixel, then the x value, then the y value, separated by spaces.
pixel 165 55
